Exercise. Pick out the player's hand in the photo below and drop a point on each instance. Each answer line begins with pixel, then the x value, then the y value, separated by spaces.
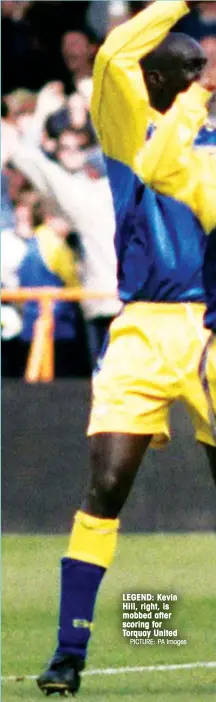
pixel 78 111
pixel 50 99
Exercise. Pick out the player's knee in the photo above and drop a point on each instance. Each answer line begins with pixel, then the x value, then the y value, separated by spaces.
pixel 103 496
pixel 105 485
pixel 108 482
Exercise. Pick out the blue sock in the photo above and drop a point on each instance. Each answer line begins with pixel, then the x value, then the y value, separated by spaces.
pixel 79 586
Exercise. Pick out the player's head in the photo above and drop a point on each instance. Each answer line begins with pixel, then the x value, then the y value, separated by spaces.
pixel 171 68
pixel 78 50
pixel 44 211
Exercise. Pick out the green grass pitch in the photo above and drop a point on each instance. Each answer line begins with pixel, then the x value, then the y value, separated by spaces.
pixel 181 564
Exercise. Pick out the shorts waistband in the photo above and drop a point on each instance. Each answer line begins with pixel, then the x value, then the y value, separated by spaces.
pixel 168 307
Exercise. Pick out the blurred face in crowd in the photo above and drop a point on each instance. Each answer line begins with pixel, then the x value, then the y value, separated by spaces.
pixel 209 46
pixel 21 106
pixel 16 181
pixel 44 212
pixel 69 153
pixel 24 219
pixel 58 225
pixel 77 52
pixel 7 8
pixel 209 74
pixel 14 9
pixel 208 9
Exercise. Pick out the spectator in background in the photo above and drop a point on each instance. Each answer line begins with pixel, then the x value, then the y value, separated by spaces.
pixel 79 50
pixel 72 116
pixel 84 198
pixel 25 63
pixel 24 206
pixel 104 16
pixel 68 136
pixel 7 213
pixel 13 248
pixel 14 239
pixel 209 46
pixel 50 20
pixel 22 111
pixel 17 45
pixel 30 51
pixel 14 242
pixel 49 115
pixel 201 23
pixel 49 261
pixel 20 103
pixel 207 16
pixel 74 147
pixel 32 55
pixel 97 18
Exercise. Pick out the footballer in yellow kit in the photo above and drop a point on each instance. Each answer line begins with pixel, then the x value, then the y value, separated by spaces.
pixel 161 166
pixel 162 171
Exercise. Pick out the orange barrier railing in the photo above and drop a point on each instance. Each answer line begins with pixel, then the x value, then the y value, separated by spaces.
pixel 40 363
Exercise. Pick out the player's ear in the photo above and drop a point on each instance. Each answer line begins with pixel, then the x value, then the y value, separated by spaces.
pixel 156 78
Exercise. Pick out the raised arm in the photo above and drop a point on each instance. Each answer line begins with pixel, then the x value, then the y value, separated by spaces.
pixel 120 106
pixel 170 164
pixel 68 190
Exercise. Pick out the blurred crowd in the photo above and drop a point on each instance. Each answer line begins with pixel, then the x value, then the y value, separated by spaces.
pixel 57 221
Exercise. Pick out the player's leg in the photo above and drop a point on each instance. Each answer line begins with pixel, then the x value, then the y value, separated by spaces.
pixel 115 459
pixel 207 377
pixel 130 404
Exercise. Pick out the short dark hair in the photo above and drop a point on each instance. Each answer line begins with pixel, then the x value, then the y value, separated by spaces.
pixel 57 122
pixel 175 45
pixel 84 29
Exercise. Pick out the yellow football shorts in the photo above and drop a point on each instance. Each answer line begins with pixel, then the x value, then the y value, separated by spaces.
pixel 152 359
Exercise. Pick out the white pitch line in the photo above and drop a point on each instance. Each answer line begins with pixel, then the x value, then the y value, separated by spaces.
pixel 150 668
pixel 116 671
